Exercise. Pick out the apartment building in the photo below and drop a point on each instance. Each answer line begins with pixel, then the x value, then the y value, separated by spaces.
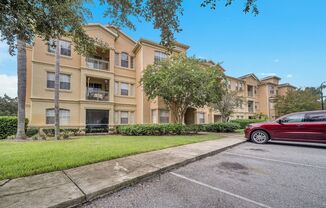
pixel 103 89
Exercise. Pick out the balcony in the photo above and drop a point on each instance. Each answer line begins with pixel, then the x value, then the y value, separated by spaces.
pixel 97 94
pixel 97 89
pixel 98 64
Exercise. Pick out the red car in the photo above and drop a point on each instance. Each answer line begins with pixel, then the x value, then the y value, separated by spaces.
pixel 300 127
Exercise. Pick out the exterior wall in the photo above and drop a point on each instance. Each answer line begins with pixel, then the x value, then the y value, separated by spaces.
pixel 40 98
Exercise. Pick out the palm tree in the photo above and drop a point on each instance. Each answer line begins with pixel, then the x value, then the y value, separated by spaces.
pixel 21 90
pixel 56 90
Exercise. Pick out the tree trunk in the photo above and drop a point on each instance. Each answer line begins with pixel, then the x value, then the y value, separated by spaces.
pixel 21 88
pixel 56 90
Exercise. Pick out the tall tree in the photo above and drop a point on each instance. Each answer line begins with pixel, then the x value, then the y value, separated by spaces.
pixel 306 99
pixel 226 105
pixel 8 106
pixel 182 83
pixel 21 21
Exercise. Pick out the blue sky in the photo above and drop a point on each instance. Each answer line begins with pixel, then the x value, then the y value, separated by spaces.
pixel 287 39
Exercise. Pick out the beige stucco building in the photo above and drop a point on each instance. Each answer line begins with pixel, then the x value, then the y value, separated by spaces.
pixel 104 89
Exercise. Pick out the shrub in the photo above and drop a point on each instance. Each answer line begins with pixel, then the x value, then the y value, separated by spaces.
pixel 174 129
pixel 49 132
pixel 155 129
pixel 8 126
pixel 221 127
pixel 31 132
pixel 244 122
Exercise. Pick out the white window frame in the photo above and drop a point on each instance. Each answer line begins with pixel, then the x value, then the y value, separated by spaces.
pixel 64 115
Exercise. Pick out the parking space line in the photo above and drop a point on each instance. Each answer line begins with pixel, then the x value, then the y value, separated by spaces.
pixel 220 190
pixel 274 160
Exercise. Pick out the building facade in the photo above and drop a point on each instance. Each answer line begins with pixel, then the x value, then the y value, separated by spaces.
pixel 103 89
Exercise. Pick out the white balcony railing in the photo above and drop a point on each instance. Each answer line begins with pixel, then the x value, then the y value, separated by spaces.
pixel 97 64
pixel 100 95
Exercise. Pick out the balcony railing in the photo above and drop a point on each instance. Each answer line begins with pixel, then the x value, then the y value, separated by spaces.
pixel 97 64
pixel 100 95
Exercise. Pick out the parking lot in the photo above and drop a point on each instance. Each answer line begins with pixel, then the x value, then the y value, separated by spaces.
pixel 249 175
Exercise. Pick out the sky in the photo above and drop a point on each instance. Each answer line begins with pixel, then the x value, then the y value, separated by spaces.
pixel 286 39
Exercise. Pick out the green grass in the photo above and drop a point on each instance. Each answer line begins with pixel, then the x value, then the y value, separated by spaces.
pixel 29 158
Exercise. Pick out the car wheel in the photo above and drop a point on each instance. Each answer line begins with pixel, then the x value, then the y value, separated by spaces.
pixel 259 137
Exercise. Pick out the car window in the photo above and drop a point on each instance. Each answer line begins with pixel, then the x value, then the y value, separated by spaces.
pixel 294 118
pixel 316 117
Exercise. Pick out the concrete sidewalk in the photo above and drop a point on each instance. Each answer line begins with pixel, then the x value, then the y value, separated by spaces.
pixel 74 186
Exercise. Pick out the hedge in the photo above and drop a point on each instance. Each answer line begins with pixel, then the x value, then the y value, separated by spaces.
pixel 244 122
pixel 174 129
pixel 8 126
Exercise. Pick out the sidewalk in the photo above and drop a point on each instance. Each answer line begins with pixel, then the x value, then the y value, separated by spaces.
pixel 74 186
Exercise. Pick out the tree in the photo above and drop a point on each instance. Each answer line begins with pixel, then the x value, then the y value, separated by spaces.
pixel 21 21
pixel 226 104
pixel 8 106
pixel 306 99
pixel 182 83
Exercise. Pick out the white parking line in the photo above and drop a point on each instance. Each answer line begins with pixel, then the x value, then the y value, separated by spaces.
pixel 274 160
pixel 220 190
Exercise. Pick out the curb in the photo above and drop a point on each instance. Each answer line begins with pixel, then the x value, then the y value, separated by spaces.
pixel 112 189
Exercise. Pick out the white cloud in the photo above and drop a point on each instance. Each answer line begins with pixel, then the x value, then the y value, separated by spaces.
pixel 289 76
pixel 268 74
pixel 276 60
pixel 8 85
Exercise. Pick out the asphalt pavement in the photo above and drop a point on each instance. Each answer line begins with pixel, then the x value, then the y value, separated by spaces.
pixel 249 175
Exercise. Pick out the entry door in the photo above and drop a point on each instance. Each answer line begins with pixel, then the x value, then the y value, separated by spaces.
pixel 291 128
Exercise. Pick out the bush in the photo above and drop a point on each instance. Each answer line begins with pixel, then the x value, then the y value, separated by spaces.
pixel 49 132
pixel 8 126
pixel 155 129
pixel 220 127
pixel 244 122
pixel 31 132
pixel 174 129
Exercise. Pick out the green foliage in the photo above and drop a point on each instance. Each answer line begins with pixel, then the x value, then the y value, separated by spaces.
pixel 221 127
pixel 244 122
pixel 182 83
pixel 153 129
pixel 174 129
pixel 226 104
pixel 306 99
pixel 8 106
pixel 8 126
pixel 31 132
pixel 49 132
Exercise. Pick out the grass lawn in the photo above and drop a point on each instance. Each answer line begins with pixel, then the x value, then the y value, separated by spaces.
pixel 34 157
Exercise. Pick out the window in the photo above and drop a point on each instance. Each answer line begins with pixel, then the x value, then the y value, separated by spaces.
pixel 65 48
pixel 201 118
pixel 51 46
pixel 64 116
pixel 164 116
pixel 131 62
pixel 124 60
pixel 64 81
pixel 116 59
pixel 271 90
pixel 159 56
pixel 124 117
pixel 296 118
pixel 154 116
pixel 124 89
pixel 316 117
